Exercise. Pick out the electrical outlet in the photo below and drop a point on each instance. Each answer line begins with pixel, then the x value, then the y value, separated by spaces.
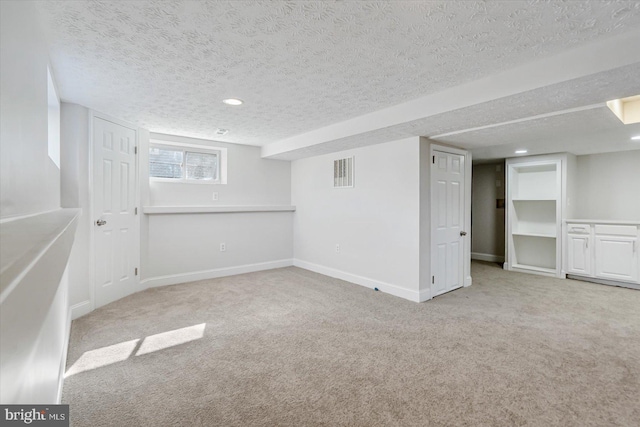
pixel 215 195
pixel 223 247
pixel 338 249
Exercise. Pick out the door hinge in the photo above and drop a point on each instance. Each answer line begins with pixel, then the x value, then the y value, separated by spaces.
pixel 135 150
pixel 136 211
pixel 434 160
pixel 136 271
pixel 433 279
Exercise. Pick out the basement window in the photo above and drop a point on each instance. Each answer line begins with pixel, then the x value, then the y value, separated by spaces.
pixel 185 164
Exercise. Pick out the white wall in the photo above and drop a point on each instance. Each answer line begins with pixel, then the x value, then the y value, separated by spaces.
pixel 35 320
pixel 609 186
pixel 376 223
pixel 487 221
pixel 29 179
pixel 183 247
pixel 75 190
pixel 251 180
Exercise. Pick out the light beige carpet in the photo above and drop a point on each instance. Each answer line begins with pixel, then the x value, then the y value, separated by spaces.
pixel 293 348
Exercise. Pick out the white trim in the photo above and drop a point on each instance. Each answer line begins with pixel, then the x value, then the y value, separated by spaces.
pixel 468 281
pixel 151 210
pixel 359 280
pixel 138 231
pixel 487 257
pixel 93 113
pixel 603 281
pixel 466 252
pixel 65 347
pixel 80 309
pixel 194 276
pixel 425 295
pixel 92 280
pixel 203 147
pixel 221 152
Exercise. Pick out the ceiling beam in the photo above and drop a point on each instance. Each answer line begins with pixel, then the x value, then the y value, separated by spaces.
pixel 601 56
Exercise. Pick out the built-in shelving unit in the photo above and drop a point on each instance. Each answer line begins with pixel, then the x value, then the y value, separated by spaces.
pixel 535 190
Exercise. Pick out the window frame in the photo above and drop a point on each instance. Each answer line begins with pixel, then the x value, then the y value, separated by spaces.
pixel 188 148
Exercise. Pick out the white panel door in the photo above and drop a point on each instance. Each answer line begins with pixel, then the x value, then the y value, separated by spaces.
pixel 447 210
pixel 579 254
pixel 114 222
pixel 617 258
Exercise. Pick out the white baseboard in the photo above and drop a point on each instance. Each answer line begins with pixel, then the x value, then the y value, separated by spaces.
pixel 604 281
pixel 467 281
pixel 425 295
pixel 175 279
pixel 360 280
pixel 486 257
pixel 80 309
pixel 63 361
pixel 67 336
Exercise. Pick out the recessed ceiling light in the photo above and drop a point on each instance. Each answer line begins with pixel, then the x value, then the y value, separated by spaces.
pixel 233 101
pixel 521 151
pixel 636 138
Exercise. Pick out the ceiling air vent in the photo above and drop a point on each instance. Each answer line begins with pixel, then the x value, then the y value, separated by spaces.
pixel 343 173
pixel 222 131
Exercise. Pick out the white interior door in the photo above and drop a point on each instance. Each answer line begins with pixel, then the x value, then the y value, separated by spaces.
pixel 447 213
pixel 114 223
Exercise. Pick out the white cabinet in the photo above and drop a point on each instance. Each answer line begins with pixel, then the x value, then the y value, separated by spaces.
pixel 579 254
pixel 606 250
pixel 579 249
pixel 616 258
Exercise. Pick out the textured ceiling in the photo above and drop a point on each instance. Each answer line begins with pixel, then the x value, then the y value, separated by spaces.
pixel 561 126
pixel 166 65
pixel 579 141
pixel 593 89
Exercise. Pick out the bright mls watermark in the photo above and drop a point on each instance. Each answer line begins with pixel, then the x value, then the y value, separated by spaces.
pixel 35 415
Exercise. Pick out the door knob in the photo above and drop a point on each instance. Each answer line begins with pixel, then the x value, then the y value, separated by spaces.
pixel 100 222
pixel 463 233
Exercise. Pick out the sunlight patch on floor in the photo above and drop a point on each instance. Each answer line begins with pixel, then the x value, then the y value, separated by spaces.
pixel 120 352
pixel 102 357
pixel 171 338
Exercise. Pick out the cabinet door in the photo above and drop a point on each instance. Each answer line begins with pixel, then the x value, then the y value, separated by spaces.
pixel 579 253
pixel 616 258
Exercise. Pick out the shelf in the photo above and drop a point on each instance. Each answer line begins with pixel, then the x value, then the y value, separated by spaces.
pixel 534 200
pixel 158 210
pixel 548 236
pixel 534 181
pixel 534 268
